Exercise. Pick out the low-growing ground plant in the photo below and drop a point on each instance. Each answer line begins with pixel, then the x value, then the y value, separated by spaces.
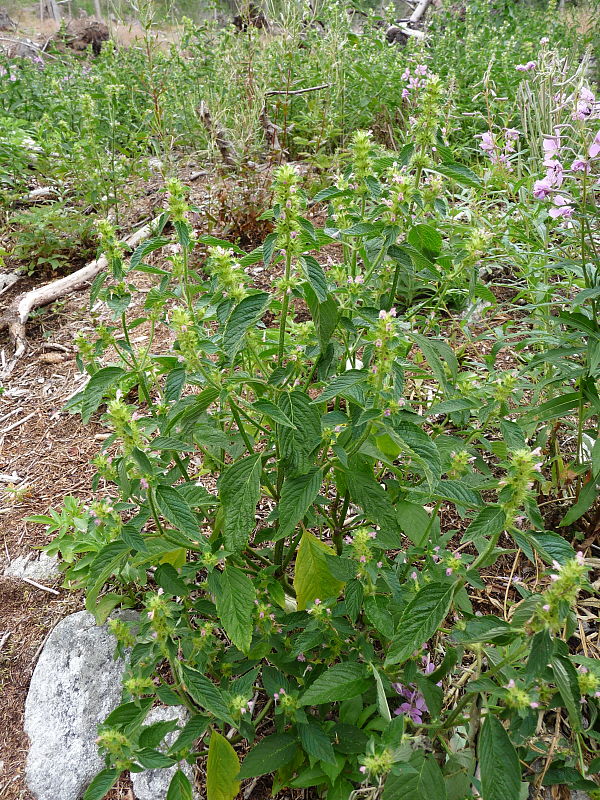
pixel 309 491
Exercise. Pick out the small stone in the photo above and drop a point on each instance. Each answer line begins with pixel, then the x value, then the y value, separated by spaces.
pixel 74 687
pixel 43 568
pixel 153 784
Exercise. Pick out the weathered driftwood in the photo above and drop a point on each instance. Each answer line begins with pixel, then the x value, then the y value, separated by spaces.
pixel 400 33
pixel 226 147
pixel 20 309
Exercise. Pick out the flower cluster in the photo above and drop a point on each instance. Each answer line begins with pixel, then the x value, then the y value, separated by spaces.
pixel 384 348
pixel 125 426
pixel 231 278
pixel 176 202
pixel 524 468
pixel 499 149
pixel 187 337
pixel 289 201
pixel 414 80
pixel 361 148
pixel 566 582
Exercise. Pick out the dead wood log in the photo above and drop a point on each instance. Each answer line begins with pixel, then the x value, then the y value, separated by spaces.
pixel 24 304
pixel 226 147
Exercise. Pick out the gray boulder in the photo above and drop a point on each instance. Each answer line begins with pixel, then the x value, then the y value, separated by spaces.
pixel 75 685
pixel 153 784
pixel 42 568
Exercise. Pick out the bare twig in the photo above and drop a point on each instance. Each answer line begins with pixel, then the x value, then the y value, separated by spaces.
pixel 5 638
pixel 18 423
pixel 40 586
pixel 297 91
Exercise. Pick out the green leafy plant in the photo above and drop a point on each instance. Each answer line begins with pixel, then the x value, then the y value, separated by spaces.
pixel 280 481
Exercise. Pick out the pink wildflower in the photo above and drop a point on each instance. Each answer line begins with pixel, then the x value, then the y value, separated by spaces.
pixel 563 209
pixel 595 146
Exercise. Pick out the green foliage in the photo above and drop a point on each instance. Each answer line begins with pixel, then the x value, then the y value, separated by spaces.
pixel 310 489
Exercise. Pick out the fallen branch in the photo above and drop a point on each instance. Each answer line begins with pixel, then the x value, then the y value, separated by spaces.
pixel 8 279
pixel 297 91
pixel 227 149
pixel 24 304
pixel 394 31
pixel 39 586
pixel 36 195
pixel 421 8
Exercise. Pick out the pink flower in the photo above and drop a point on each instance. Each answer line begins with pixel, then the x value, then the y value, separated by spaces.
pixel 421 69
pixel 406 74
pixel 563 209
pixel 362 769
pixel 487 142
pixel 534 704
pixel 551 145
pixel 554 173
pixel 512 133
pixel 143 483
pixel 584 106
pixel 544 40
pixel 405 94
pixel 595 146
pixel 541 189
pixel 580 165
pixel 530 65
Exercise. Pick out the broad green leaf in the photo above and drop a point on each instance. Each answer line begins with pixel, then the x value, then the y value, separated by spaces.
pixel 180 788
pixel 153 759
pixel 270 410
pixel 128 715
pixel 221 769
pixel 239 490
pixel 414 521
pixel 102 784
pixel 147 247
pixel 315 276
pixel 312 577
pixel 316 743
pixel 587 497
pixel 341 384
pixel 458 173
pixel 498 761
pixel 425 238
pixel 175 509
pixel 340 682
pixel 456 492
pixel 421 449
pixel 297 445
pixel 269 755
pixel 244 316
pixel 437 353
pixel 297 496
pixel 325 316
pixel 489 521
pixel 206 694
pixel 420 620
pixel 235 605
pixel 98 385
pixel 374 500
pixel 556 408
pixel 421 779
pixel 167 578
pixel 106 562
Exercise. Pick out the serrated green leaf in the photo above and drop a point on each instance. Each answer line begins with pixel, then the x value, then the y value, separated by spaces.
pixel 312 577
pixel 297 496
pixel 425 238
pixel 316 743
pixel 176 510
pixel 244 316
pixel 235 606
pixel 97 386
pixel 270 410
pixel 180 788
pixel 221 769
pixel 341 384
pixel 315 276
pixel 102 784
pixel 239 490
pixel 499 763
pixel 565 677
pixel 420 620
pixel 340 682
pixel 382 703
pixel 269 755
pixel 106 562
pixel 206 694
pixel 297 445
